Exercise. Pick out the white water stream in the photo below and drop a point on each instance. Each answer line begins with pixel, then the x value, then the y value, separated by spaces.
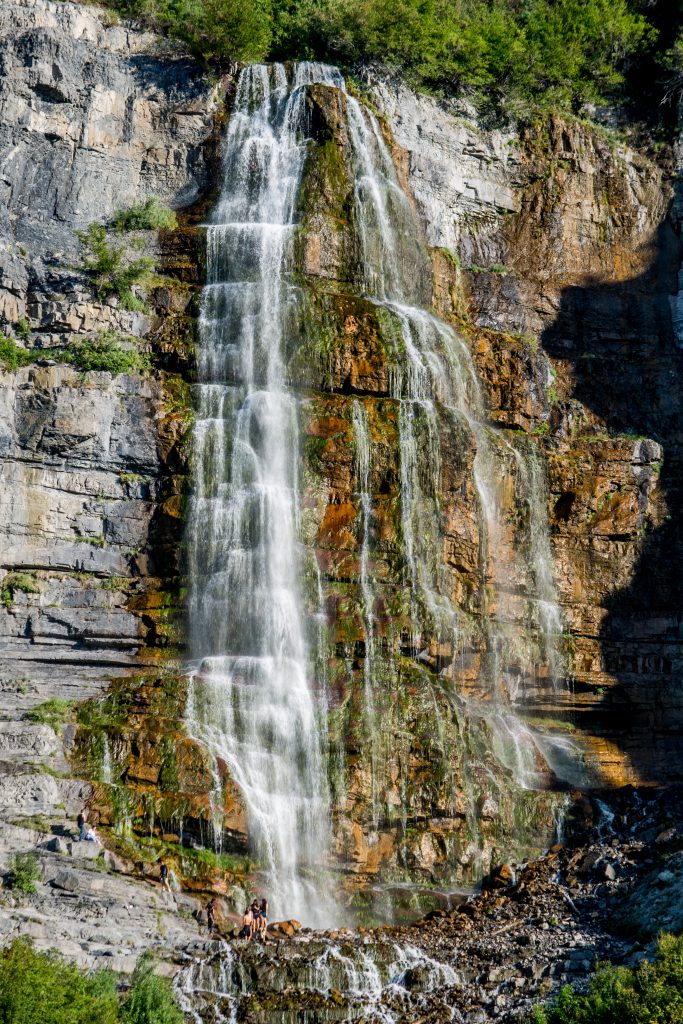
pixel 434 373
pixel 366 976
pixel 252 700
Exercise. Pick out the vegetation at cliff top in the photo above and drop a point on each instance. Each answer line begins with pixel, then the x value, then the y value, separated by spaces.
pixel 36 988
pixel 533 53
pixel 651 993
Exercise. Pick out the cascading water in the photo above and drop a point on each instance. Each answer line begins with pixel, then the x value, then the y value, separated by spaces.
pixel 257 697
pixel 361 435
pixel 261 652
pixel 365 981
pixel 252 701
pixel 433 373
pixel 533 488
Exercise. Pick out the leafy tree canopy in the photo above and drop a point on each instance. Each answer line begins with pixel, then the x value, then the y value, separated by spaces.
pixel 41 988
pixel 514 53
pixel 651 993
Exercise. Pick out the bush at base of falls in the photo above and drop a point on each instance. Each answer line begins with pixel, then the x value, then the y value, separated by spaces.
pixel 150 1000
pixel 651 993
pixel 541 53
pixel 41 988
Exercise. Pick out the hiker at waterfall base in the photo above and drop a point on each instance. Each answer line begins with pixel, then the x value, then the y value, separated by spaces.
pixel 247 923
pixel 163 875
pixel 255 918
pixel 263 918
pixel 80 823
pixel 211 914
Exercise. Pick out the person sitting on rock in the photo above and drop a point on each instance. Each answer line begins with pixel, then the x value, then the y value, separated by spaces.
pixel 91 835
pixel 80 822
pixel 247 923
pixel 211 914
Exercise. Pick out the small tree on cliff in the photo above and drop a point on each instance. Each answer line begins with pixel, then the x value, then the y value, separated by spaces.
pixel 113 268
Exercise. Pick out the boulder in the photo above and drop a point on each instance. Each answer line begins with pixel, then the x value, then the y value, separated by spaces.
pixel 86 850
pixel 66 880
pixel 500 877
pixel 57 845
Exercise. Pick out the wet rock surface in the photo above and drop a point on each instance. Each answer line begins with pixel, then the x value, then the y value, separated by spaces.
pixel 490 958
pixel 559 237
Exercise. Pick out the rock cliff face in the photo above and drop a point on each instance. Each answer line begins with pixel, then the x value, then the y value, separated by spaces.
pixel 93 118
pixel 566 238
pixel 553 257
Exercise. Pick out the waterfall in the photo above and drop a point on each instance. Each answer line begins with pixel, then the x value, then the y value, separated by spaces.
pixel 434 374
pixel 106 772
pixel 532 485
pixel 252 701
pixel 368 982
pixel 257 699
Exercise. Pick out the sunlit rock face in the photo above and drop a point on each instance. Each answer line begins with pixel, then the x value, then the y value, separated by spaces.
pixel 571 242
pixel 91 121
pixel 481 359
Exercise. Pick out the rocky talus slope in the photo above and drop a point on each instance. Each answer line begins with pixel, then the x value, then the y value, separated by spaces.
pixel 605 895
pixel 555 255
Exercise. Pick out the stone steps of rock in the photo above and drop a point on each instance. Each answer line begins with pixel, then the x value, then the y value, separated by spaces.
pixel 92 914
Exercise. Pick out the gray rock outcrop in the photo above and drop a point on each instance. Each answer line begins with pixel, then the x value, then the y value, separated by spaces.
pixel 93 118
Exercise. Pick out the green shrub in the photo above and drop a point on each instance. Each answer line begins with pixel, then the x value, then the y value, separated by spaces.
pixel 647 994
pixel 238 31
pixel 52 712
pixel 150 1000
pixel 148 216
pixel 24 873
pixel 106 352
pixel 548 53
pixel 11 355
pixel 23 329
pixel 40 988
pixel 15 581
pixel 112 267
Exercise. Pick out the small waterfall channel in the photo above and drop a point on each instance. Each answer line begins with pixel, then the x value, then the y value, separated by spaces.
pixel 314 980
pixel 434 375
